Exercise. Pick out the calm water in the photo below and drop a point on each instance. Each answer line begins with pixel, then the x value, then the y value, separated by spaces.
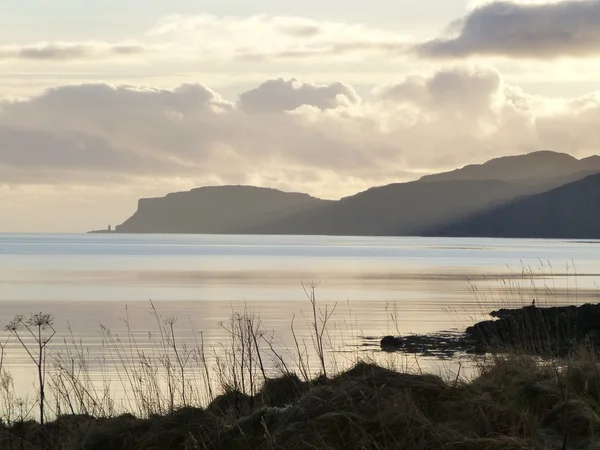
pixel 89 280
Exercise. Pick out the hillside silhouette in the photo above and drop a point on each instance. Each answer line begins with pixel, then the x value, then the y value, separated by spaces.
pixel 432 204
pixel 216 210
pixel 568 212
pixel 533 166
pixel 399 209
pixel 410 208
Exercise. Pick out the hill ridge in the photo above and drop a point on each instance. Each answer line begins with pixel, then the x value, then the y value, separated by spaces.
pixel 409 208
pixel 571 211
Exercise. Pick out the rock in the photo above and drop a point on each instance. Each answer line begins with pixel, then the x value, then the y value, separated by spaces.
pixel 538 330
pixel 391 342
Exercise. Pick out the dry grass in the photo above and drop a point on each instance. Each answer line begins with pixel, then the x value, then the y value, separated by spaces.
pixel 515 403
pixel 174 399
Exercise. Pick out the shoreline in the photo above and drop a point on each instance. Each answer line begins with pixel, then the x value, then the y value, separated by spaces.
pixel 514 399
pixel 513 403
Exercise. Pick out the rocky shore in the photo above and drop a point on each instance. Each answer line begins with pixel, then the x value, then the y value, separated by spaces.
pixel 531 329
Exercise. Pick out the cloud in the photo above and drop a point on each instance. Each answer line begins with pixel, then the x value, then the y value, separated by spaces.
pixel 67 51
pixel 277 37
pixel 207 39
pixel 537 30
pixel 457 90
pixel 279 95
pixel 97 129
pixel 574 127
pixel 196 43
pixel 285 133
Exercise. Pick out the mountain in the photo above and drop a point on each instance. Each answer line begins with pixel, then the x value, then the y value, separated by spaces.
pixel 400 209
pixel 543 165
pixel 216 210
pixel 568 212
pixel 414 208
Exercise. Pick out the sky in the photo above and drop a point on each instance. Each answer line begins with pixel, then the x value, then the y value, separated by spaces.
pixel 103 103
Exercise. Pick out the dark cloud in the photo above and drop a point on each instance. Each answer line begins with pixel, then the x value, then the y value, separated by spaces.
pixel 32 156
pixel 123 49
pixel 301 30
pixel 523 30
pixel 69 51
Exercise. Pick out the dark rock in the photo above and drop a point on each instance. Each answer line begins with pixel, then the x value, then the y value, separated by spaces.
pixel 531 329
pixel 391 342
pixel 445 344
pixel 538 330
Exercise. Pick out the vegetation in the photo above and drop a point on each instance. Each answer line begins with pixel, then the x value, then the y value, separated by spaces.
pixel 256 397
pixel 515 403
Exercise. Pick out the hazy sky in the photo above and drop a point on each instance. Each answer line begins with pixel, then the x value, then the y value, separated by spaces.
pixel 105 102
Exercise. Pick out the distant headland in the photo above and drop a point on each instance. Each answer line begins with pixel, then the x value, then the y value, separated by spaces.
pixel 538 195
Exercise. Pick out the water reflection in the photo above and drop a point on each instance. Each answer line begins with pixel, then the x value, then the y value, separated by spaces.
pixel 380 285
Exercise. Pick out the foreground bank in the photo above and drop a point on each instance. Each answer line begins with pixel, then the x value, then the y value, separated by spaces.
pixel 520 394
pixel 514 403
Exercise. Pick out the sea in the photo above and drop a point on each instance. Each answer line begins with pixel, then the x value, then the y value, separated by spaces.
pixel 98 287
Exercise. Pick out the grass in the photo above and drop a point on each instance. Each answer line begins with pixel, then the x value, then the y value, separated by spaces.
pixel 246 393
pixel 515 403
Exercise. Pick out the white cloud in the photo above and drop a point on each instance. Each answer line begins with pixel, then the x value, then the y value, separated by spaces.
pixel 287 95
pixel 204 38
pixel 535 30
pixel 180 48
pixel 277 37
